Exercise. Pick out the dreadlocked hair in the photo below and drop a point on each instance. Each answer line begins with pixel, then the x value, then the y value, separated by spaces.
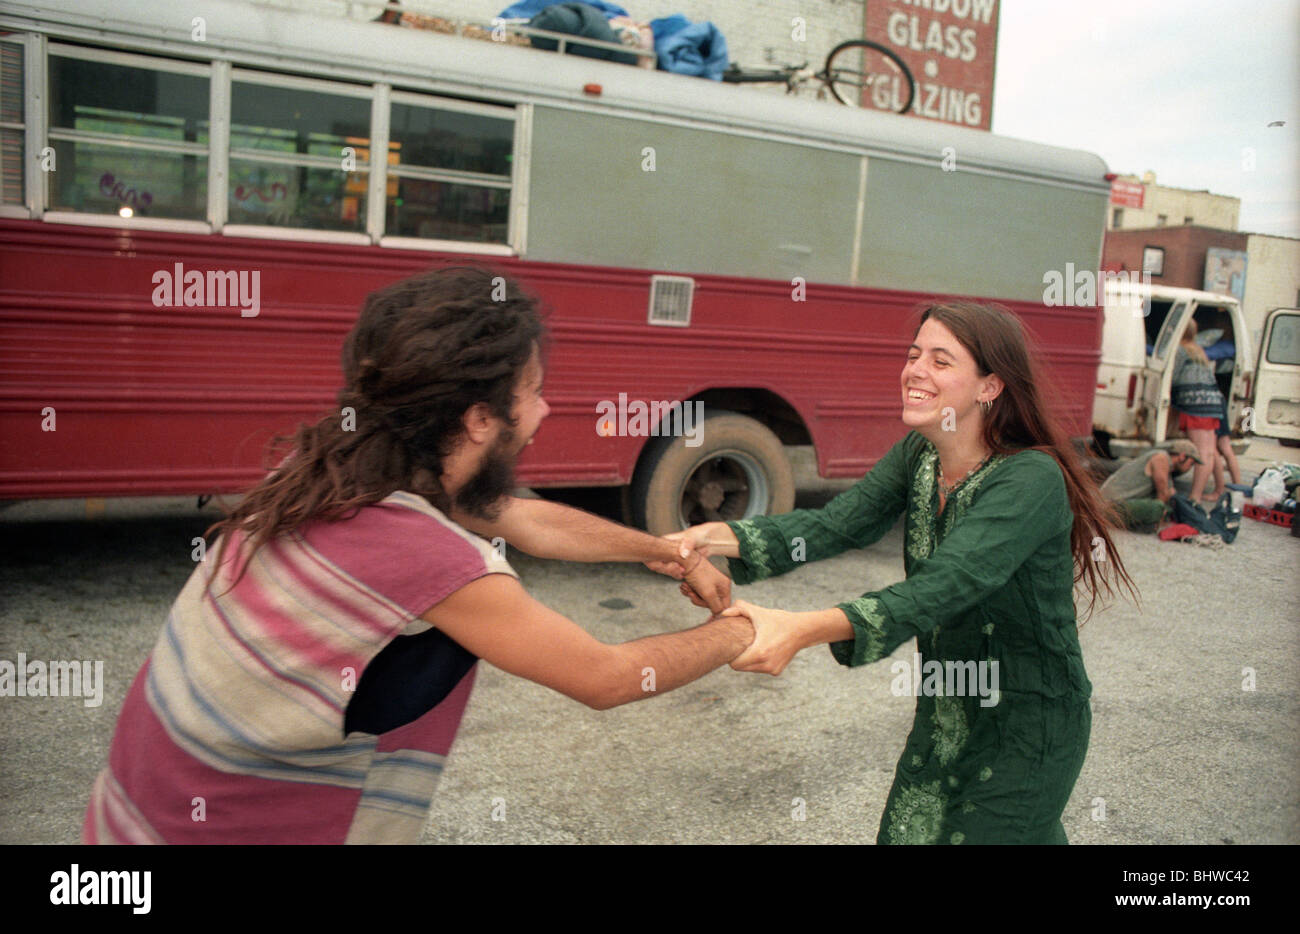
pixel 422 352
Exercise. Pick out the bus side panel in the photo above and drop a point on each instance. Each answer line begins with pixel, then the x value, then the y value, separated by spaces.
pixel 649 197
pixel 835 357
pixel 836 364
pixel 102 392
pixel 151 399
pixel 950 232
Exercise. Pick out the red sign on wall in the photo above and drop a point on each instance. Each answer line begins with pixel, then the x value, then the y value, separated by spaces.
pixel 950 47
pixel 1127 194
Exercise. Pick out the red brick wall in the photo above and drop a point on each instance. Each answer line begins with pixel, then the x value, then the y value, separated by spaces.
pixel 1184 251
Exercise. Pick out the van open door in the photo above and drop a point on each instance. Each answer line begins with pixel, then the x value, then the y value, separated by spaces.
pixel 1159 374
pixel 1277 377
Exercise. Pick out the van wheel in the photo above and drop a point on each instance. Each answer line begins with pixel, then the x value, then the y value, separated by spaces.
pixel 740 470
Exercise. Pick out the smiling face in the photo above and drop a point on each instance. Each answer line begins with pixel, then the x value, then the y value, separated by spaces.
pixel 939 374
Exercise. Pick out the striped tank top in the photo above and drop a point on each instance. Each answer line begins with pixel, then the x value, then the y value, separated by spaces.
pixel 234 729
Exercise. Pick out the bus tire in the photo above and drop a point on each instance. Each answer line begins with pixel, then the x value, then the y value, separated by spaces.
pixel 739 470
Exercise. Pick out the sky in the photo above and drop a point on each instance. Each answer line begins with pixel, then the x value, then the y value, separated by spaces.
pixel 1183 88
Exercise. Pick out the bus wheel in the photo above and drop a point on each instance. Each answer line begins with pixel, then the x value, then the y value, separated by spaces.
pixel 739 470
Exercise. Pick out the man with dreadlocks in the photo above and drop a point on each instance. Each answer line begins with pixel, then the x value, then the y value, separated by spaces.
pixel 311 675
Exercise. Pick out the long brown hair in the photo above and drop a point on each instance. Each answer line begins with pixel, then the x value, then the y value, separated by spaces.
pixel 1024 417
pixel 423 351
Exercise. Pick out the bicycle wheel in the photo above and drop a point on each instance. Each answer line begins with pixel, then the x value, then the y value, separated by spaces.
pixel 861 73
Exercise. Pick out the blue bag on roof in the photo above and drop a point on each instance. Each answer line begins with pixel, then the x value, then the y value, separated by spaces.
pixel 527 9
pixel 687 48
pixel 581 20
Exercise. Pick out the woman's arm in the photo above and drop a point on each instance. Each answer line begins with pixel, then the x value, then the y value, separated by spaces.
pixel 1021 507
pixel 710 538
pixel 771 545
pixel 779 635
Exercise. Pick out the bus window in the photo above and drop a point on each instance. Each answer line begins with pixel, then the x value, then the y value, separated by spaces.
pixel 453 172
pixel 289 157
pixel 12 126
pixel 128 140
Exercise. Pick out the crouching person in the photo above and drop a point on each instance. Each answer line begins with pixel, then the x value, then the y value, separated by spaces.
pixel 1143 486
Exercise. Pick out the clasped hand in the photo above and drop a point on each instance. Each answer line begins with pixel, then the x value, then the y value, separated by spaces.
pixel 702 583
pixel 775 637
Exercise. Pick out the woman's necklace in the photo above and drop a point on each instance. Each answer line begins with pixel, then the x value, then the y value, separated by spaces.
pixel 945 488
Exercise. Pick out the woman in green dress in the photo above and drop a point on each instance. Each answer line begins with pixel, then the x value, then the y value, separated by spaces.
pixel 1001 523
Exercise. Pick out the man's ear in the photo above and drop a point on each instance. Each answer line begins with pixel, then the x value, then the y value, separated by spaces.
pixel 478 420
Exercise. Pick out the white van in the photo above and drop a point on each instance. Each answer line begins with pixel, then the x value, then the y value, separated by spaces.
pixel 1143 324
pixel 1277 384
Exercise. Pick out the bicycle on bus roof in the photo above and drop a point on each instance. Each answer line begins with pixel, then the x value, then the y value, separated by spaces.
pixel 858 73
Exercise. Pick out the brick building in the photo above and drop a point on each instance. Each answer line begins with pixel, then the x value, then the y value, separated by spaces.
pixel 1183 250
pixel 1271 274
pixel 1162 206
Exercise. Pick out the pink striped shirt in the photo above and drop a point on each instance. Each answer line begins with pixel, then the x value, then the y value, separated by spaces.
pixel 233 730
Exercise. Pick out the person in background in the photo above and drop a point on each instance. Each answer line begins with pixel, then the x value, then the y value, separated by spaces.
pixel 1222 353
pixel 1226 455
pixel 1195 393
pixel 1142 486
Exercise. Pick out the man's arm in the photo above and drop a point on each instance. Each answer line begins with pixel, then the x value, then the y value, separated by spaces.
pixel 1159 468
pixel 495 618
pixel 550 530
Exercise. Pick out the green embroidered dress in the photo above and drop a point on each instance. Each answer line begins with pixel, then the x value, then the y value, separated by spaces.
pixel 989 579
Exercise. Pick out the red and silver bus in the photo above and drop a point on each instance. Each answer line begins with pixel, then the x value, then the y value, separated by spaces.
pixel 193 206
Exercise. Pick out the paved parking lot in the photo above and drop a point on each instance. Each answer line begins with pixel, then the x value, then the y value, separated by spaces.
pixel 1181 752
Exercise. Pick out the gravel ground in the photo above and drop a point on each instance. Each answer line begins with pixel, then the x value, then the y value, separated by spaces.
pixel 1181 751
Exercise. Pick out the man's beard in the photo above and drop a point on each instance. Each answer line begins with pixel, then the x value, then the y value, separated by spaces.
pixel 482 494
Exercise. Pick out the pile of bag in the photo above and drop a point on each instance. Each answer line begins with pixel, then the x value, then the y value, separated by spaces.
pixel 680 46
pixel 1276 486
pixel 1191 521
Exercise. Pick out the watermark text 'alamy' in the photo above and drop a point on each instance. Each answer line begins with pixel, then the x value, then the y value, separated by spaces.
pixel 229 288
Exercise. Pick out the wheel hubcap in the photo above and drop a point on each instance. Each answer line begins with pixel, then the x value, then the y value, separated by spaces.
pixel 728 486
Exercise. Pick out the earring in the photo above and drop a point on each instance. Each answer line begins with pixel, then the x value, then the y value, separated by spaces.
pixel 987 404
